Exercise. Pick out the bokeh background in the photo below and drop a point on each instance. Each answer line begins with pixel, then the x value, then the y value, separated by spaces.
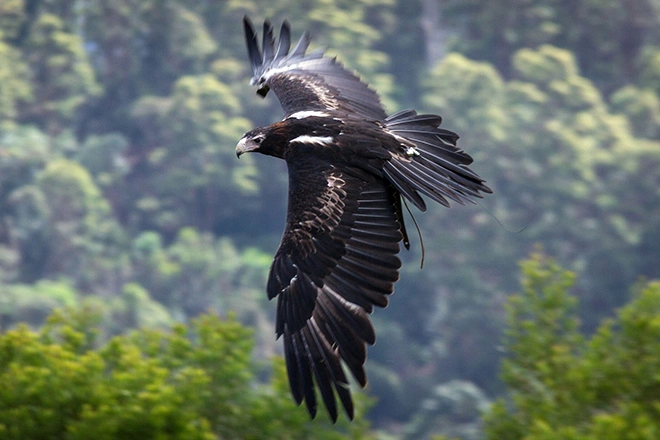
pixel 120 190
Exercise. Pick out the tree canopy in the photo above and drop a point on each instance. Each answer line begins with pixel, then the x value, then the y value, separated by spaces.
pixel 188 382
pixel 566 385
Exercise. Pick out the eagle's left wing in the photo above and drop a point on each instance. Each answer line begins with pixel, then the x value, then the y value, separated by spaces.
pixel 306 82
pixel 337 259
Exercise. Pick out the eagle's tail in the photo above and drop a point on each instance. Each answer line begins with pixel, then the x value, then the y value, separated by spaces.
pixel 428 161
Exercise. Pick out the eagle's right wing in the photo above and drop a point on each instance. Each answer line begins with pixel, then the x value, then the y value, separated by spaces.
pixel 306 82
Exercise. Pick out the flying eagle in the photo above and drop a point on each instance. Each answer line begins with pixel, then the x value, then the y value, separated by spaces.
pixel 349 164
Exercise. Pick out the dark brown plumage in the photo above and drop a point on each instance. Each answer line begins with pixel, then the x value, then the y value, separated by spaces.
pixel 349 164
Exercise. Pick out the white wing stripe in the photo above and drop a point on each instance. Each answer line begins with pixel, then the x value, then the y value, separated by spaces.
pixel 308 114
pixel 314 140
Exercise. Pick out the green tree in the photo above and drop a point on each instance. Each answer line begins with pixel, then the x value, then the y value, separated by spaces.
pixel 82 238
pixel 32 303
pixel 189 275
pixel 642 109
pixel 608 37
pixel 61 75
pixel 12 16
pixel 564 385
pixel 556 158
pixel 195 382
pixel 191 167
pixel 140 48
pixel 23 208
pixel 104 157
pixel 14 86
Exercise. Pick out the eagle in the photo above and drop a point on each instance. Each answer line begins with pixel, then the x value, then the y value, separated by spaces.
pixel 349 166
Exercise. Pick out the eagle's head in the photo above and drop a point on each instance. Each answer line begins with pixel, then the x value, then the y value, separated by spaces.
pixel 271 141
pixel 251 141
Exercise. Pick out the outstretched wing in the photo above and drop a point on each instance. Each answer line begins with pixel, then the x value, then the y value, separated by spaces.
pixel 306 82
pixel 337 259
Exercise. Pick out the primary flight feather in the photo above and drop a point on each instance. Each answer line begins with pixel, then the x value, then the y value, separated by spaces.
pixel 349 164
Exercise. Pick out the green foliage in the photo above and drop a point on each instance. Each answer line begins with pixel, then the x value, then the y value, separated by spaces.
pixel 559 158
pixel 650 69
pixel 12 16
pixel 642 108
pixel 452 408
pixel 191 44
pixel 14 86
pixel 103 157
pixel 565 386
pixel 193 133
pixel 33 303
pixel 136 308
pixel 62 77
pixel 609 36
pixel 189 275
pixel 24 152
pixel 80 233
pixel 190 382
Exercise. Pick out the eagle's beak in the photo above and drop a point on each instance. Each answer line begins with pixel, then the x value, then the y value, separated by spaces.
pixel 244 146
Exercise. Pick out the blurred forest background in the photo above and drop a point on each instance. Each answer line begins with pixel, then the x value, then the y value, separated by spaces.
pixel 121 196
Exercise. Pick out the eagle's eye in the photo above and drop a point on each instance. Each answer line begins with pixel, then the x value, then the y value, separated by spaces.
pixel 257 140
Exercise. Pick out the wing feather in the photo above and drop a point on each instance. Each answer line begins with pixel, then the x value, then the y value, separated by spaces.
pixel 337 260
pixel 301 46
pixel 253 47
pixel 284 43
pixel 338 326
pixel 268 43
pixel 307 81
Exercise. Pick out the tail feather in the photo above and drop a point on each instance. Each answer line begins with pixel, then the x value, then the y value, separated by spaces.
pixel 428 161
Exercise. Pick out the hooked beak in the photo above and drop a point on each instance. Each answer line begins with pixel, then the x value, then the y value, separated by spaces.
pixel 245 146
